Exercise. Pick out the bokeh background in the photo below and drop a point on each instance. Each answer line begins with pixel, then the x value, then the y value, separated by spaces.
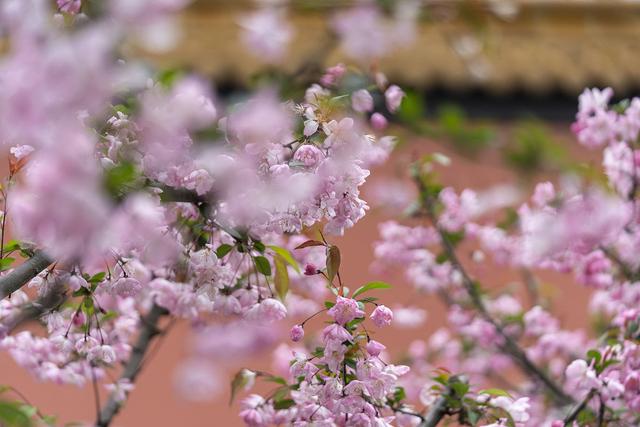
pixel 491 84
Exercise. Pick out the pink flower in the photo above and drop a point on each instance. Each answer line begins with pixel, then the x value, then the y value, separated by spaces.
pixel 378 121
pixel 309 155
pixel 543 194
pixel 374 348
pixel 69 6
pixel 362 101
pixel 120 389
pixel 296 333
pixel 310 270
pixel 382 316
pixel 335 333
pixel 76 281
pixel 269 310
pixel 333 75
pixel 393 97
pixel 21 151
pixel 126 287
pixel 345 310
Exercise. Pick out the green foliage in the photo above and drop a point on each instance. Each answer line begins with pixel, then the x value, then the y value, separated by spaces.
pixel 169 76
pixel 286 256
pixel 223 250
pixel 532 149
pixel 412 109
pixel 333 262
pixel 369 286
pixel 281 278
pixel 5 263
pixel 13 415
pixel 120 179
pixel 262 265
pixel 453 125
pixel 309 243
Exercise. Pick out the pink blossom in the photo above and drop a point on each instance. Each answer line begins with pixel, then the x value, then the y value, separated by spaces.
pixel 393 97
pixel 378 121
pixel 374 348
pixel 333 75
pixel 296 333
pixel 69 6
pixel 310 270
pixel 21 151
pixel 309 155
pixel 345 310
pixel 382 316
pixel 269 310
pixel 120 389
pixel 362 101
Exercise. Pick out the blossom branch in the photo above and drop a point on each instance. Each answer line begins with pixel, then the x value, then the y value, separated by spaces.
pixel 579 408
pixel 23 273
pixel 437 412
pixel 148 331
pixel 509 345
pixel 51 299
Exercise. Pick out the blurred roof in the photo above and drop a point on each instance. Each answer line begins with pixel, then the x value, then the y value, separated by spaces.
pixel 499 45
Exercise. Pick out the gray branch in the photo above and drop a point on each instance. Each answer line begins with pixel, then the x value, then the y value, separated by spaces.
pixel 436 413
pixel 148 330
pixel 22 274
pixel 52 298
pixel 509 346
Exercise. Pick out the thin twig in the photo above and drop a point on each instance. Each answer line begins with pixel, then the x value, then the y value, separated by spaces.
pixel 579 408
pixel 148 330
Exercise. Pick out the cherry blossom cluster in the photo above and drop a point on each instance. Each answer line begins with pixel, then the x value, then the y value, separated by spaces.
pixel 148 198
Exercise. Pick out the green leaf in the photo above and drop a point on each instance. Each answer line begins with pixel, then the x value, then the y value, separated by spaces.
pixel 168 77
pixel 259 246
pixel 595 355
pixel 275 379
pixel 262 265
pixel 240 380
pixel 369 286
pixel 5 263
pixel 223 250
pixel 333 262
pixel 412 107
pixel 281 278
pixel 87 306
pixel 399 394
pixel 12 416
pixel 119 179
pixel 309 243
pixel 329 304
pixel 284 404
pixel 97 278
pixel 459 388
pixel 286 256
pixel 11 245
pixel 29 410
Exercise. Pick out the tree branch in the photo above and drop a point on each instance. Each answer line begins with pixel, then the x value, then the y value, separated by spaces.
pixel 51 299
pixel 23 273
pixel 436 413
pixel 148 330
pixel 509 345
pixel 571 416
